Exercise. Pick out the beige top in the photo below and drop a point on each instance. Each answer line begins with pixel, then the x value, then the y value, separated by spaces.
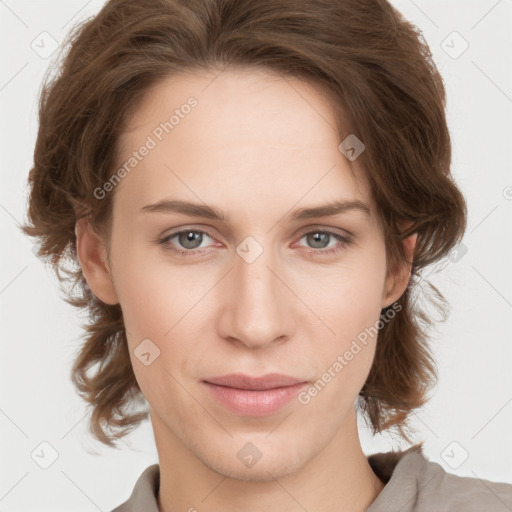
pixel 413 484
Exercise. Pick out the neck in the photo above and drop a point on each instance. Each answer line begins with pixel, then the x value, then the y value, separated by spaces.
pixel 338 478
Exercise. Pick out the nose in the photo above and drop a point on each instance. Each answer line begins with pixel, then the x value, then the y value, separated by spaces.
pixel 258 306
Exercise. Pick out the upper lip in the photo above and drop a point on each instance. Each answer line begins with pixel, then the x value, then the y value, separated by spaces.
pixel 242 381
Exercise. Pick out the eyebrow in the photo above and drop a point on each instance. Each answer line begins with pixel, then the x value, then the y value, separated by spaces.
pixel 198 210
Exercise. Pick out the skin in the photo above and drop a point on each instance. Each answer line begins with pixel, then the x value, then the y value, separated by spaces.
pixel 256 147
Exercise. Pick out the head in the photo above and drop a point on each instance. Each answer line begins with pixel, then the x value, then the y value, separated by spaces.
pixel 256 113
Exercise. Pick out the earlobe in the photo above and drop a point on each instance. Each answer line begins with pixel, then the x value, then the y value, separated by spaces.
pixel 397 281
pixel 92 256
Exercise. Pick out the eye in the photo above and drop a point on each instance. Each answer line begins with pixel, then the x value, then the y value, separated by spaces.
pixel 319 240
pixel 190 239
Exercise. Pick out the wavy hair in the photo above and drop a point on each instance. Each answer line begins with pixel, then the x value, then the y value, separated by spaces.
pixel 378 71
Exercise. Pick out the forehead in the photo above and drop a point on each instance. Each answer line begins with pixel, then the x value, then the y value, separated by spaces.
pixel 256 133
pixel 239 102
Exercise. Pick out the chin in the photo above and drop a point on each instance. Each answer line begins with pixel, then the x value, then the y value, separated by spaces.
pixel 261 472
pixel 258 461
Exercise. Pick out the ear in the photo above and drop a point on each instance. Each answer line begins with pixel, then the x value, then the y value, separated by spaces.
pixel 398 279
pixel 92 256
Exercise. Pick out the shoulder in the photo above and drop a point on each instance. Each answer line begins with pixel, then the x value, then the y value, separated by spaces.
pixel 440 490
pixel 419 485
pixel 143 496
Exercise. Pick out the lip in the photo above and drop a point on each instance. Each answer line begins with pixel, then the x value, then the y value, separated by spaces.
pixel 254 396
pixel 242 381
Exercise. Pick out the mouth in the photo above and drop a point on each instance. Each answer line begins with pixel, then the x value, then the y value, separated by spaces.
pixel 254 396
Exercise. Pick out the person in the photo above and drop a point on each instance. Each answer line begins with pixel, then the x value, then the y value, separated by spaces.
pixel 249 193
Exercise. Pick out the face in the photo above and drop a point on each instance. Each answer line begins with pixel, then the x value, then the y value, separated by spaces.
pixel 263 290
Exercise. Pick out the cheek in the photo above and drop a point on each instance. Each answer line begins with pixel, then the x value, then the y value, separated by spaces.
pixel 347 296
pixel 152 295
pixel 154 311
pixel 343 360
pixel 349 303
pixel 160 303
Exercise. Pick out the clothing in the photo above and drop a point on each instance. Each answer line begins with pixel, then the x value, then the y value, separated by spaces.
pixel 413 484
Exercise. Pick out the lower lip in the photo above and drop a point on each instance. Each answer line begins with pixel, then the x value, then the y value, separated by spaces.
pixel 254 403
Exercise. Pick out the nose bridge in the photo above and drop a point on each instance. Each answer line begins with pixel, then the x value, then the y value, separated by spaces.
pixel 258 294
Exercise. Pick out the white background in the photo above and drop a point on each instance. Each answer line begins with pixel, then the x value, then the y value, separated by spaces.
pixel 470 413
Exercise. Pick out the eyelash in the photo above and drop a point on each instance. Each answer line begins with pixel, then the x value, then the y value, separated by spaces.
pixel 343 242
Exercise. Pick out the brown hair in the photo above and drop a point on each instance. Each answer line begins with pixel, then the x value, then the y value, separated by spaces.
pixel 385 88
